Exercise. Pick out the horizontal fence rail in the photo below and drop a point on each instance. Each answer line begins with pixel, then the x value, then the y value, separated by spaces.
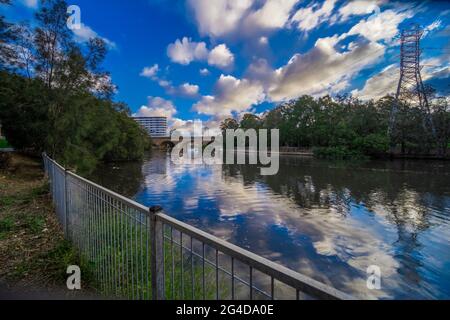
pixel 137 252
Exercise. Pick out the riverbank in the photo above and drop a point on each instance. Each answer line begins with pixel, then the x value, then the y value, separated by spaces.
pixel 33 253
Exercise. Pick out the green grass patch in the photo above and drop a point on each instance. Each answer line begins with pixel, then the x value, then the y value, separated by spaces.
pixel 4 144
pixel 20 271
pixel 6 226
pixel 25 197
pixel 34 223
pixel 63 255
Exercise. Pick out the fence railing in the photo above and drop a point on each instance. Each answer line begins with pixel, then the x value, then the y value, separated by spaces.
pixel 140 253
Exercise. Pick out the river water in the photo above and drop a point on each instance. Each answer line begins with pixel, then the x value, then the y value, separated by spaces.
pixel 328 220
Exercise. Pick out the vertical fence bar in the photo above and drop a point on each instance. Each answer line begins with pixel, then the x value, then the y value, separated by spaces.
pixel 232 278
pixel 136 260
pixel 192 271
pixel 272 288
pixel 217 274
pixel 251 283
pixel 172 255
pixel 157 262
pixel 182 268
pixel 66 224
pixel 147 260
pixel 203 271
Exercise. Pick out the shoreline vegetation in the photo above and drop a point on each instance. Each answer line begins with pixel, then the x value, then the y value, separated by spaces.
pixel 343 127
pixel 33 253
pixel 56 97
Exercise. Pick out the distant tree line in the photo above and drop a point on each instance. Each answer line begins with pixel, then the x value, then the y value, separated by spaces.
pixel 345 127
pixel 55 97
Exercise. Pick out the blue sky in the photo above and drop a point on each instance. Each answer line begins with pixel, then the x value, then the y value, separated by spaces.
pixel 211 59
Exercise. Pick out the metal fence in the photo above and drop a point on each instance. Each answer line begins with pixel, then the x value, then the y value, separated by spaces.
pixel 140 253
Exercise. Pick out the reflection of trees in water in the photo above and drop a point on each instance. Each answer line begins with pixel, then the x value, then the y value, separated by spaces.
pixel 124 178
pixel 406 194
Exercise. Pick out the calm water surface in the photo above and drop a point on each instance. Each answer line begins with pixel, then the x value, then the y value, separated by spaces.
pixel 328 220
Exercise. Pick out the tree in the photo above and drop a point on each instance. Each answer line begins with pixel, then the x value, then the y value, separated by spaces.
pixel 229 123
pixel 57 98
pixel 7 53
pixel 250 121
pixel 441 119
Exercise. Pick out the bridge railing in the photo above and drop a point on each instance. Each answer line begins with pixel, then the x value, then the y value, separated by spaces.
pixel 141 253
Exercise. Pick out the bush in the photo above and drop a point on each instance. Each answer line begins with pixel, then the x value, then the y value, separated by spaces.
pixel 4 144
pixel 79 130
pixel 338 153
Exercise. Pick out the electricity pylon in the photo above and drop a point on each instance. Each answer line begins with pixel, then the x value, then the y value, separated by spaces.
pixel 410 87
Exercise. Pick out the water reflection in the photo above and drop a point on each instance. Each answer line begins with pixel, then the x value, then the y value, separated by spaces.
pixel 325 219
pixel 124 178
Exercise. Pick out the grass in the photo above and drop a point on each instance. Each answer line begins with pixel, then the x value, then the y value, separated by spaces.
pixel 33 253
pixel 4 144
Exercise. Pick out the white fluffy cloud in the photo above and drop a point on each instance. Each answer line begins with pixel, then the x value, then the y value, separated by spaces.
pixel 157 107
pixel 204 72
pixel 190 90
pixel 322 70
pixel 150 72
pixel 185 51
pixel 380 85
pixel 221 57
pixel 231 95
pixel 274 14
pixel 85 33
pixel 359 7
pixel 312 16
pixel 243 18
pixel 185 90
pixel 219 17
pixel 383 26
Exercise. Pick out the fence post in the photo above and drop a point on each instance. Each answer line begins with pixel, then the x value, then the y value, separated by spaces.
pixel 157 260
pixel 66 207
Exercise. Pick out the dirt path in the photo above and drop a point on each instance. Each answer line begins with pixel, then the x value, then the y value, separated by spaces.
pixel 33 253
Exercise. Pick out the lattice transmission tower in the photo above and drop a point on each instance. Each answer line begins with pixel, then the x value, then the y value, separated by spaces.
pixel 411 89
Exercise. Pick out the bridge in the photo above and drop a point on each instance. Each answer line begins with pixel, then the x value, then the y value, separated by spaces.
pixel 166 143
pixel 162 142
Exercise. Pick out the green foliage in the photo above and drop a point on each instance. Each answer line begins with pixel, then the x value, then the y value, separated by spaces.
pixel 344 127
pixel 338 153
pixel 229 124
pixel 63 106
pixel 250 121
pixel 6 226
pixel 4 144
pixel 131 142
pixel 64 254
pixel 24 111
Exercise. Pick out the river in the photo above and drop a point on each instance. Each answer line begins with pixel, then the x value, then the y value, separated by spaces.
pixel 326 219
